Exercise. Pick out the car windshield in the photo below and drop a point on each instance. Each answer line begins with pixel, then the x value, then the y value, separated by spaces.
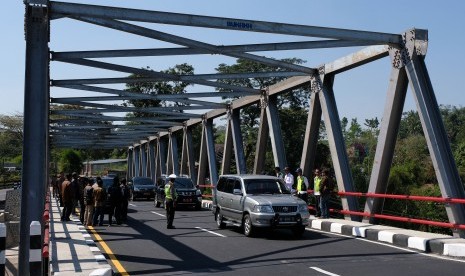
pixel 265 186
pixel 183 183
pixel 142 181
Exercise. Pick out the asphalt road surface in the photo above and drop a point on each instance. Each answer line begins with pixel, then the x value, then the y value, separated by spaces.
pixel 144 246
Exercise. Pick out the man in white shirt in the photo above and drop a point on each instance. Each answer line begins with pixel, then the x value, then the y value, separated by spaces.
pixel 289 179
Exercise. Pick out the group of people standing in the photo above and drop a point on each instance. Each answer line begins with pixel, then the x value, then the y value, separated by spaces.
pixel 323 185
pixel 92 199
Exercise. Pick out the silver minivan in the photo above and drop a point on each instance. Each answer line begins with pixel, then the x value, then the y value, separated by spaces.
pixel 258 201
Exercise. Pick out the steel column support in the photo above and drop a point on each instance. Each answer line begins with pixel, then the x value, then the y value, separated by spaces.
pixel 130 162
pixel 187 156
pixel 436 138
pixel 237 140
pixel 228 146
pixel 137 160
pixel 262 140
pixel 151 161
pixel 36 98
pixel 207 154
pixel 275 133
pixel 143 155
pixel 162 152
pixel 173 162
pixel 311 132
pixel 336 144
pixel 387 140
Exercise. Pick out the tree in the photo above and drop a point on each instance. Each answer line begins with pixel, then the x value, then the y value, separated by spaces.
pixel 70 161
pixel 11 136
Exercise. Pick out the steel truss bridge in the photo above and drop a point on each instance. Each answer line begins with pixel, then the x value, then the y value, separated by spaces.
pixel 152 144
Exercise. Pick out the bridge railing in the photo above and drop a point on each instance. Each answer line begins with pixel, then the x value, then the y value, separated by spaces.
pixel 384 216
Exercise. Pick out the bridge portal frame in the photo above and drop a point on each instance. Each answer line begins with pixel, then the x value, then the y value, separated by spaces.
pixel 407 52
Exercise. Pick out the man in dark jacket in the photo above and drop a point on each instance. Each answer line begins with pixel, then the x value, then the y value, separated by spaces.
pixel 125 201
pixel 116 198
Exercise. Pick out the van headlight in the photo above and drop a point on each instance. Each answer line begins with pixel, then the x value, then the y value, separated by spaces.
pixel 303 208
pixel 263 209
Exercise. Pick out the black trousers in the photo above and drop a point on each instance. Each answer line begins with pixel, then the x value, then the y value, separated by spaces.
pixel 170 210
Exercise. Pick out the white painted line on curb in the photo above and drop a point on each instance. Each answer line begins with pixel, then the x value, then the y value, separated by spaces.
pixel 417 243
pixel 211 232
pixel 336 227
pixel 161 215
pixel 323 271
pixel 386 236
pixel 316 224
pixel 454 249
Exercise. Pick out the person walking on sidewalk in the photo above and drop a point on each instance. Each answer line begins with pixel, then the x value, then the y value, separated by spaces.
pixel 100 196
pixel 67 198
pixel 170 201
pixel 89 201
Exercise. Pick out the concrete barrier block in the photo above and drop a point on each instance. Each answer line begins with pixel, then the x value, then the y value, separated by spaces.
pixel 12 234
pixel 13 202
pixel 101 272
pixel 454 249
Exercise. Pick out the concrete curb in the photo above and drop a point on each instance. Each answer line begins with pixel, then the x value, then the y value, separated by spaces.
pixel 415 240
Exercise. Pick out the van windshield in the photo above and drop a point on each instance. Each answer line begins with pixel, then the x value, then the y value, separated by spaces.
pixel 265 186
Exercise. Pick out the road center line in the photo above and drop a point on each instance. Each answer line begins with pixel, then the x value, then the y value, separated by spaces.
pixel 161 215
pixel 133 205
pixel 323 271
pixel 211 232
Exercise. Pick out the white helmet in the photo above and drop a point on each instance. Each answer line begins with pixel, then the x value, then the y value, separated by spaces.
pixel 172 175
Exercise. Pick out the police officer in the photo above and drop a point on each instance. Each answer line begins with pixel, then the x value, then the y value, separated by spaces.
pixel 170 201
pixel 302 185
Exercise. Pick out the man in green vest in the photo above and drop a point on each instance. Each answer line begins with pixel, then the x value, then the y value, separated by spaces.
pixel 316 191
pixel 170 201
pixel 302 184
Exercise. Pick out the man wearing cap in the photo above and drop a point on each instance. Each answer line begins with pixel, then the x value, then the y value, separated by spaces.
pixel 170 201
pixel 302 184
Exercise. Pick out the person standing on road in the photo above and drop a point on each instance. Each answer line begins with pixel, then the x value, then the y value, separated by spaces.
pixel 89 201
pixel 67 198
pixel 170 201
pixel 125 202
pixel 326 188
pixel 316 191
pixel 116 198
pixel 289 179
pixel 302 184
pixel 100 196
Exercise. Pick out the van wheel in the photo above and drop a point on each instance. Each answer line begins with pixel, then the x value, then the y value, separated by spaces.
pixel 219 220
pixel 248 227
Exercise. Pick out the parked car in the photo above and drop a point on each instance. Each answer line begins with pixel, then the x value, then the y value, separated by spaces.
pixel 188 194
pixel 258 201
pixel 142 187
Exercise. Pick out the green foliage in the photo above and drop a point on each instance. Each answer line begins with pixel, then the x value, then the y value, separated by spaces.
pixel 70 161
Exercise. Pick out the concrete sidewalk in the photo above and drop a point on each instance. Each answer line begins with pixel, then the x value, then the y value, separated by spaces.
pixel 72 250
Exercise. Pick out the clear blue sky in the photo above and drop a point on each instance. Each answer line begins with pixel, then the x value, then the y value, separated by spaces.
pixel 359 93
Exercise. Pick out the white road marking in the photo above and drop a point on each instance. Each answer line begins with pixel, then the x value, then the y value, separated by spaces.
pixel 133 205
pixel 211 232
pixel 323 271
pixel 161 215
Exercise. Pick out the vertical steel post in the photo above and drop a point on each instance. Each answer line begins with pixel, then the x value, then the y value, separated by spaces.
pixel 276 136
pixel 228 146
pixel 36 98
pixel 188 163
pixel 130 163
pixel 152 166
pixel 162 151
pixel 203 158
pixel 262 139
pixel 173 157
pixel 210 142
pixel 238 143
pixel 337 145
pixel 387 140
pixel 436 137
pixel 143 157
pixel 311 132
pixel 137 160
